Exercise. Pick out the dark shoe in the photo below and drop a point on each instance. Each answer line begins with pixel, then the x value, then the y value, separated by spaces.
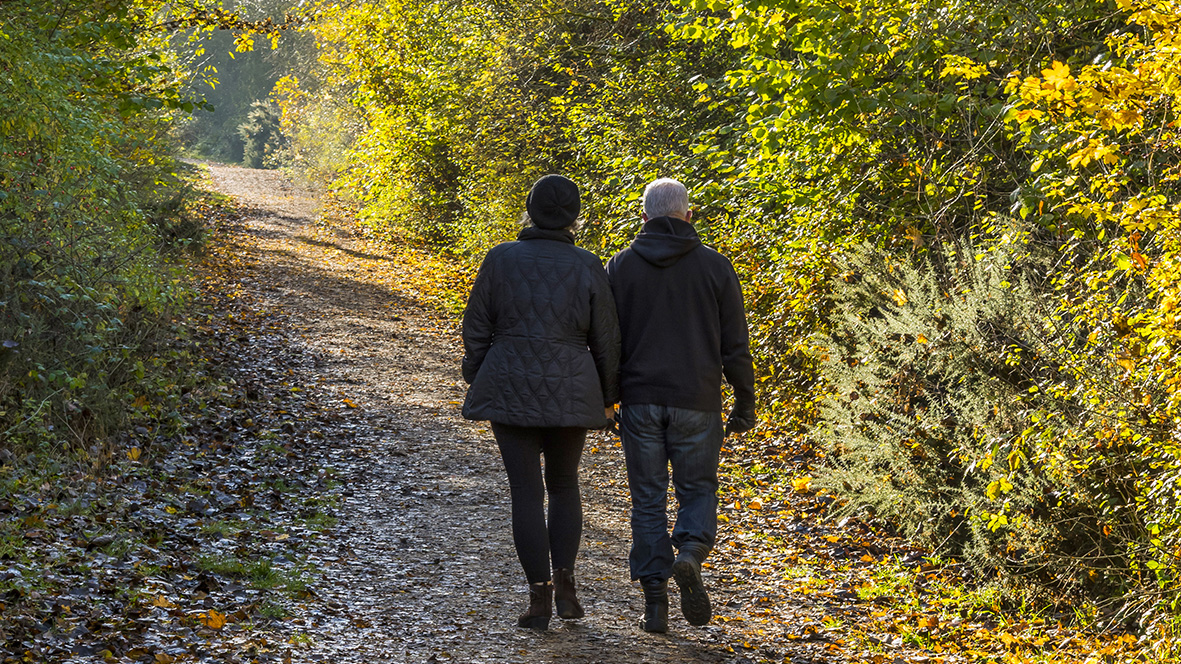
pixel 694 599
pixel 541 606
pixel 565 595
pixel 655 607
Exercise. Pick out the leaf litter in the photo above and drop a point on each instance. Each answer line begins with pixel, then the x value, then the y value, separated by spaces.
pixel 191 545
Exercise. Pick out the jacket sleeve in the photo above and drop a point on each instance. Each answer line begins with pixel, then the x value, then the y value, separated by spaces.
pixel 603 338
pixel 737 365
pixel 478 322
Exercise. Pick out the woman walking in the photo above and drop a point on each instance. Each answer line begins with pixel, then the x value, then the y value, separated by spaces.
pixel 541 356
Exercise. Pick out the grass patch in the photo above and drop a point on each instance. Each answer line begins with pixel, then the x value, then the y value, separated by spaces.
pixel 282 486
pixel 273 611
pixel 263 575
pixel 226 566
pixel 13 547
pixel 260 574
pixel 223 528
pixel 320 521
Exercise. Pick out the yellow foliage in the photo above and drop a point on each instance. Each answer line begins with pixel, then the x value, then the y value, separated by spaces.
pixel 1095 150
pixel 1111 119
pixel 1058 77
pixel 966 68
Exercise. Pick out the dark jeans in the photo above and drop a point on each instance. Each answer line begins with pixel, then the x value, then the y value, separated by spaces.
pixel 536 538
pixel 690 440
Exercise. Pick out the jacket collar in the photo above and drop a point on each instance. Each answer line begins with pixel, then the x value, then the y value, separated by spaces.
pixel 535 233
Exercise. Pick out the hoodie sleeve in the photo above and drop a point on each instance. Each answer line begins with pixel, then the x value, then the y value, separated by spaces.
pixel 603 338
pixel 737 365
pixel 478 321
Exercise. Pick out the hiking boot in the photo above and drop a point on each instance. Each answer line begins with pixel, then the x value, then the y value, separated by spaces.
pixel 565 595
pixel 655 607
pixel 541 600
pixel 694 600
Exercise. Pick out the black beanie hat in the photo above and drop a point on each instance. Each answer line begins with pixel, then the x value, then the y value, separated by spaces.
pixel 553 202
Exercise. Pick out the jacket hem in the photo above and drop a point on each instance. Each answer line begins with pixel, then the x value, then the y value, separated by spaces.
pixel 661 397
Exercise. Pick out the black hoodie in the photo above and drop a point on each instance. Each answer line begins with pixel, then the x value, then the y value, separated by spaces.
pixel 681 321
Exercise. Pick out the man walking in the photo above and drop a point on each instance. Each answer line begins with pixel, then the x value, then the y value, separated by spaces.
pixel 683 328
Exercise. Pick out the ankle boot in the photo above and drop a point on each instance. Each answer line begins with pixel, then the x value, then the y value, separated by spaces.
pixel 655 607
pixel 694 598
pixel 541 606
pixel 565 597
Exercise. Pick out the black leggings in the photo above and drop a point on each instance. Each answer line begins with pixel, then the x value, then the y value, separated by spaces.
pixel 522 449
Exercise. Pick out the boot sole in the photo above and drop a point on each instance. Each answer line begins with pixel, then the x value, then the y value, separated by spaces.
pixel 694 600
pixel 569 610
pixel 655 629
pixel 536 622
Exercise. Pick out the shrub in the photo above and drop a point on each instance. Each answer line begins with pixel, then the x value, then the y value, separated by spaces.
pixel 969 407
pixel 89 203
pixel 921 390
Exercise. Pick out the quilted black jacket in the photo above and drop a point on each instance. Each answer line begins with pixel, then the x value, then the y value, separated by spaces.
pixel 540 335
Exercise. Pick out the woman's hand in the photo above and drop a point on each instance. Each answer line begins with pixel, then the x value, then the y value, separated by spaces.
pixel 609 412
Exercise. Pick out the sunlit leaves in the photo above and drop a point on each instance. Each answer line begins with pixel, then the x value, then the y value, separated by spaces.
pixel 213 619
pixel 962 67
pixel 875 84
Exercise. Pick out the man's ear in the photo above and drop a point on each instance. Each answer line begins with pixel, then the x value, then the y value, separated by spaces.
pixel 688 215
pixel 644 217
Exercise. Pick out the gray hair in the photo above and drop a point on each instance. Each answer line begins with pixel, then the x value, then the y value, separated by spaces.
pixel 665 197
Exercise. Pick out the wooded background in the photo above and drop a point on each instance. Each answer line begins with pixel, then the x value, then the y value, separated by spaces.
pixel 956 225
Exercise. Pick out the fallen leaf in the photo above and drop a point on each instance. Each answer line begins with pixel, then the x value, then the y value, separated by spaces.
pixel 213 619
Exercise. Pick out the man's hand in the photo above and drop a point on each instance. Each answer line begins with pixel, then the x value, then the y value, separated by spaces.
pixel 612 420
pixel 741 420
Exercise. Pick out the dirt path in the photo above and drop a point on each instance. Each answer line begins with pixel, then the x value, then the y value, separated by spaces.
pixel 424 569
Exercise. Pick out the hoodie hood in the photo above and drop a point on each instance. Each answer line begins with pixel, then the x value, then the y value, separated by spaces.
pixel 664 240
